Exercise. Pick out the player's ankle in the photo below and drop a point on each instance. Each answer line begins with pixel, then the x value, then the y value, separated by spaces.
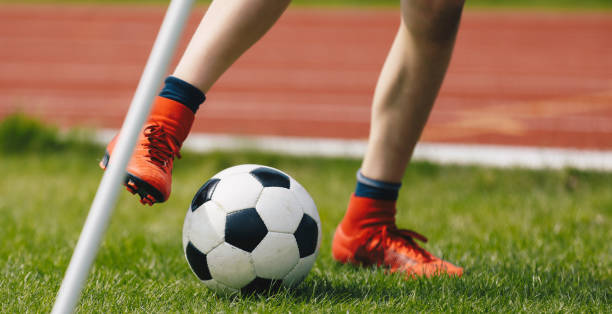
pixel 372 204
pixel 175 107
pixel 376 189
pixel 183 92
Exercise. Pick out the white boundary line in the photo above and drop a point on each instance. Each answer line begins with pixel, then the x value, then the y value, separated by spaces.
pixel 462 154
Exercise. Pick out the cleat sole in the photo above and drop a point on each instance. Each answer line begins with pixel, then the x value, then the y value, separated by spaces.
pixel 148 194
pixel 131 186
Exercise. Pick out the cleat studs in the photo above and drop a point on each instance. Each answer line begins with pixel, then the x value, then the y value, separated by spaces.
pixel 150 200
pixel 132 187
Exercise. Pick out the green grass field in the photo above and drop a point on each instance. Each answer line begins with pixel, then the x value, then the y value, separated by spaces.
pixel 530 241
pixel 477 4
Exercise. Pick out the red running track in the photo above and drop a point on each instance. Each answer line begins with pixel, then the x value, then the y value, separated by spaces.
pixel 516 78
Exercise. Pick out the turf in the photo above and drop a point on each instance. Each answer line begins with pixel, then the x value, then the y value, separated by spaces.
pixel 530 241
pixel 471 4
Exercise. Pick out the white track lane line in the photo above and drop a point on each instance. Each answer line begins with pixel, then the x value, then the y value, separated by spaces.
pixel 461 154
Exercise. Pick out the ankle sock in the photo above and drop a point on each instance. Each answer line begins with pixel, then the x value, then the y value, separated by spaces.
pixel 375 189
pixel 373 203
pixel 182 92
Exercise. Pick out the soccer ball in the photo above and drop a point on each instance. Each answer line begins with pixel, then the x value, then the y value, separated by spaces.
pixel 251 228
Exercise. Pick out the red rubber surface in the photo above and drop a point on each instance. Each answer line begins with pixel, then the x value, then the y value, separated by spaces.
pixel 516 78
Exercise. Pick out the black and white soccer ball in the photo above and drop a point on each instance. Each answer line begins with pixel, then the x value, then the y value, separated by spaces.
pixel 251 228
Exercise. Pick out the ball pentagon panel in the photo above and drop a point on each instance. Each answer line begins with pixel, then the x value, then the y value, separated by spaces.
pixel 307 236
pixel 270 177
pixel 204 194
pixel 198 262
pixel 244 229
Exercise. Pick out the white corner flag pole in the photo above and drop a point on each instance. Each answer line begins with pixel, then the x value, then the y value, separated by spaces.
pixel 106 196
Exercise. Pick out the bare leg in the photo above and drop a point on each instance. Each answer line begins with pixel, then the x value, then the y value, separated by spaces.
pixel 405 93
pixel 227 30
pixel 409 83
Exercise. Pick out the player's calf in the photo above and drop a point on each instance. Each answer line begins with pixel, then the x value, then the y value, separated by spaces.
pixel 432 21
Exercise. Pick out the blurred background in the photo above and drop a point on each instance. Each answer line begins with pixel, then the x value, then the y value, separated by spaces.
pixel 529 85
pixel 524 73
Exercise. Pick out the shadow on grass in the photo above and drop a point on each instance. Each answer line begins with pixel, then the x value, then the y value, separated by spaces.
pixel 504 285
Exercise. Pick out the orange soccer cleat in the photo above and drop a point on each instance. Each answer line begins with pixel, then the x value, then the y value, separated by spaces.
pixel 149 171
pixel 374 239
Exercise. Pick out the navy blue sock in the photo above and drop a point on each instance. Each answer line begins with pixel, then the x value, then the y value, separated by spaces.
pixel 375 189
pixel 183 92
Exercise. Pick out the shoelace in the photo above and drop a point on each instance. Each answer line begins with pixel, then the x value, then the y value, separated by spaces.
pixel 404 233
pixel 162 147
pixel 391 237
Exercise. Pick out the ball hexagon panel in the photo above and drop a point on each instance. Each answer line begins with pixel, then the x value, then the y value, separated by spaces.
pixel 307 235
pixel 259 285
pixel 269 177
pixel 235 170
pixel 302 196
pixel 230 266
pixel 279 209
pixel 244 229
pixel 275 255
pixel 300 271
pixel 236 192
pixel 204 194
pixel 197 262
pixel 206 229
pixel 186 228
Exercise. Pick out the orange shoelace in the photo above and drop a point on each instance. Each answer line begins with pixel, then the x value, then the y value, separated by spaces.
pixel 162 146
pixel 400 241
